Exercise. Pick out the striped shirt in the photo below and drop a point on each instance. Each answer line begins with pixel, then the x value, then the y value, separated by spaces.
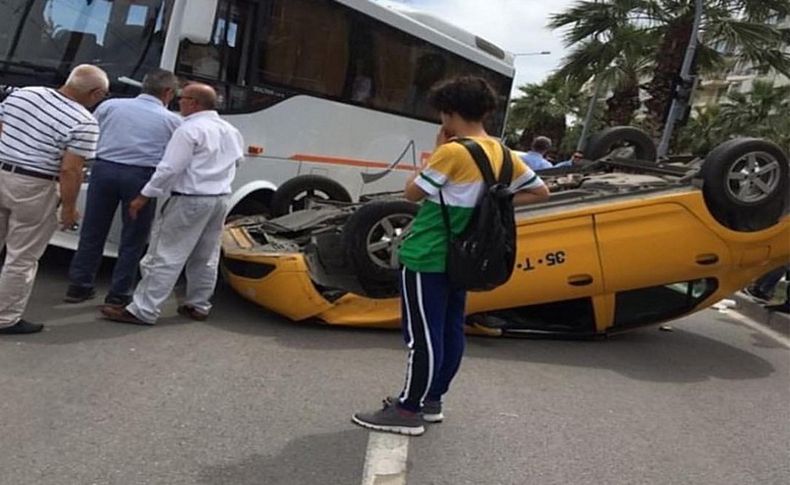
pixel 40 125
pixel 452 170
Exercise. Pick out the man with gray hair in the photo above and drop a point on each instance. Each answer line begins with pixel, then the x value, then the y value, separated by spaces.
pixel 45 137
pixel 535 158
pixel 135 133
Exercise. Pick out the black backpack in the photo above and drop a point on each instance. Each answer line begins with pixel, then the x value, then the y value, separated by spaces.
pixel 482 256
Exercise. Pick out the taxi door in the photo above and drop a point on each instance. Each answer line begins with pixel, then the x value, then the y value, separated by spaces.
pixel 557 262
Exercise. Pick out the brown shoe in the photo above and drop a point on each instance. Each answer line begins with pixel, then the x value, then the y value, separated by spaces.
pixel 191 312
pixel 120 314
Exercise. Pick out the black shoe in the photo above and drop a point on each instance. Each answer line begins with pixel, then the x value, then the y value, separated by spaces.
pixel 78 294
pixel 391 419
pixel 431 410
pixel 21 327
pixel 117 300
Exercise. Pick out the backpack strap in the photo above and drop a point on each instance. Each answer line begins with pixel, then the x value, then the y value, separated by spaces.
pixel 506 175
pixel 480 158
pixel 484 164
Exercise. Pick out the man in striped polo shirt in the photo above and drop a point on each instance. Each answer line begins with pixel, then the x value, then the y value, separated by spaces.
pixel 45 137
pixel 433 311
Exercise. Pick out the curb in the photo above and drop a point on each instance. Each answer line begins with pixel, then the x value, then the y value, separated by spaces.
pixel 777 321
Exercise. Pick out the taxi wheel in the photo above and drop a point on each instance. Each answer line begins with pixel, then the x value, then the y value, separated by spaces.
pixel 746 183
pixel 372 236
pixel 294 193
pixel 623 142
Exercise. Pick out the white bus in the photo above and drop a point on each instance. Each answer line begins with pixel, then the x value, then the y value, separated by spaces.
pixel 324 87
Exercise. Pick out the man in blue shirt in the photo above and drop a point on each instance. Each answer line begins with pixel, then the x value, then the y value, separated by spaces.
pixel 575 160
pixel 535 157
pixel 134 135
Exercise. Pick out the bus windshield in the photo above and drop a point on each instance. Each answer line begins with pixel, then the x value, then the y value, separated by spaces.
pixel 124 37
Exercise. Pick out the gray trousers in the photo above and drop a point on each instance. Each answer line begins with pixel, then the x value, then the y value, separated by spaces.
pixel 185 236
pixel 28 218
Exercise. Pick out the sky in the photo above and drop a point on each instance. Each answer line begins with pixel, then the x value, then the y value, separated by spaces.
pixel 518 26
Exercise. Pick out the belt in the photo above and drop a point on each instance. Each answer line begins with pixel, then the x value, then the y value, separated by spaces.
pixel 14 168
pixel 181 194
pixel 146 167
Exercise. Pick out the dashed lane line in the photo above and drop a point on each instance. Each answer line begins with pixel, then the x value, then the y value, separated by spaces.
pixel 385 459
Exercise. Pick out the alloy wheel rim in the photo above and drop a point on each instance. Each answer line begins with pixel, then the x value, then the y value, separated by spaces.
pixel 753 177
pixel 385 237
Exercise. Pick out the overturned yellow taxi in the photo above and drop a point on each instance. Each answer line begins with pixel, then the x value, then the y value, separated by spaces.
pixel 621 243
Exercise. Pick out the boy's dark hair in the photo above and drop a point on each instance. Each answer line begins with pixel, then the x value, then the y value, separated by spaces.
pixel 471 97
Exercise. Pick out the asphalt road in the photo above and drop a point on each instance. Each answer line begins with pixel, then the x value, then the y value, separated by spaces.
pixel 248 398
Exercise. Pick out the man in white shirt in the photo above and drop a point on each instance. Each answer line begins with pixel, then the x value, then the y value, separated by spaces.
pixel 196 171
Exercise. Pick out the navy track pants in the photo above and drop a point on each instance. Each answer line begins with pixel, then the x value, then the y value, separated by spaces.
pixel 433 327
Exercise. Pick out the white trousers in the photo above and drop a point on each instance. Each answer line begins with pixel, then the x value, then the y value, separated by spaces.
pixel 28 218
pixel 185 236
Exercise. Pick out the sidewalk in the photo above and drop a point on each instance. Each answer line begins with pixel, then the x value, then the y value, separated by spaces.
pixel 776 321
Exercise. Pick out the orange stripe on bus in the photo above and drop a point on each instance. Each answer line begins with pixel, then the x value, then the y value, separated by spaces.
pixel 352 162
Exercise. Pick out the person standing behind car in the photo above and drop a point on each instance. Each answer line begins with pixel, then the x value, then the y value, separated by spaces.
pixel 45 137
pixel 535 158
pixel 432 310
pixel 197 170
pixel 135 133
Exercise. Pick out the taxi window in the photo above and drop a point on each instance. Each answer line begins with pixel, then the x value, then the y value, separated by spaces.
pixel 656 303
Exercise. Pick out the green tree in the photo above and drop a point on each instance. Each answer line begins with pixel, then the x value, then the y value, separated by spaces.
pixel 736 26
pixel 617 62
pixel 541 110
pixel 763 113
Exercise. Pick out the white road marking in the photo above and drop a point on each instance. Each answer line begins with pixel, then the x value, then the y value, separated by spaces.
pixel 385 459
pixel 785 341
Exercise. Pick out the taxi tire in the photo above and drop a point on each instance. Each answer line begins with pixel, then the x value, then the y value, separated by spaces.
pixel 285 195
pixel 601 144
pixel 730 211
pixel 377 282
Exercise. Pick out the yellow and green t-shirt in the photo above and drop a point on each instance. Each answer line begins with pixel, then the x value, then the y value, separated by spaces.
pixel 452 170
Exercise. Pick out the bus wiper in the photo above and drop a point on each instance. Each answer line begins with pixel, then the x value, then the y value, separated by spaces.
pixel 129 81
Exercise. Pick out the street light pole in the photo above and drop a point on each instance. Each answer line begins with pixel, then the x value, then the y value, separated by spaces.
pixel 537 53
pixel 679 103
pixel 581 144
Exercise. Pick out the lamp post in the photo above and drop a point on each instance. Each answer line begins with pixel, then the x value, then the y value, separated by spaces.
pixel 680 97
pixel 536 53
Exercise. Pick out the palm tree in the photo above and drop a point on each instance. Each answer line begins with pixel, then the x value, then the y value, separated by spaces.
pixel 762 113
pixel 738 27
pixel 617 63
pixel 541 110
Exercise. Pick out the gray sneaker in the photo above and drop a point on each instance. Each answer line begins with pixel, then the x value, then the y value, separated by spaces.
pixel 431 410
pixel 391 419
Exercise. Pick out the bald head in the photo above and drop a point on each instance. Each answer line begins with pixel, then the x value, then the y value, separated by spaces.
pixel 197 97
pixel 86 77
pixel 205 96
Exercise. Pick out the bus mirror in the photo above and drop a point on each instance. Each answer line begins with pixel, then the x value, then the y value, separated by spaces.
pixel 198 22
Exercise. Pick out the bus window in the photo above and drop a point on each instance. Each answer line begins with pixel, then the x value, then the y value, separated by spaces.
pixel 305 47
pixel 124 37
pixel 222 58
